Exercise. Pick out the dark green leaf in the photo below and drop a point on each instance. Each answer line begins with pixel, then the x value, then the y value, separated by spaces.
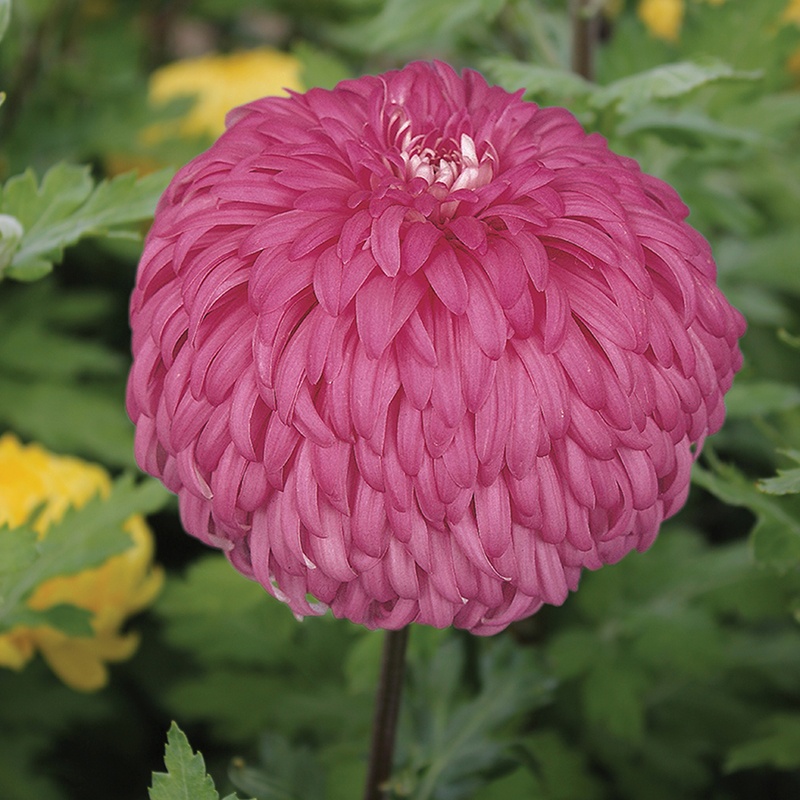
pixel 220 615
pixel 776 536
pixel 777 745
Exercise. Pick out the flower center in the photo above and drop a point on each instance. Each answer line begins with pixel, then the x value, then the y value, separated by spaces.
pixel 454 167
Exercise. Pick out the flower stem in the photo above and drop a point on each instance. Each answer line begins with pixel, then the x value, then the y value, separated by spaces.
pixel 585 30
pixel 387 706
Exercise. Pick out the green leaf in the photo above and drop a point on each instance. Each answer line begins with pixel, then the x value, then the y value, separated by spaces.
pixel 319 68
pixel 70 417
pixel 517 784
pixel 537 80
pixel 83 539
pixel 613 698
pixel 666 82
pixel 69 206
pixel 688 126
pixel 5 16
pixel 68 619
pixel 756 398
pixel 457 739
pixel 285 772
pixel 787 480
pixel 408 26
pixel 776 535
pixel 778 745
pixel 10 237
pixel 562 768
pixel 223 617
pixel 770 261
pixel 186 777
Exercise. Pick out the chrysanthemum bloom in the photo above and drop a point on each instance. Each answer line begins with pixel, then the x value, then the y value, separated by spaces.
pixel 663 18
pixel 423 351
pixel 34 481
pixel 218 83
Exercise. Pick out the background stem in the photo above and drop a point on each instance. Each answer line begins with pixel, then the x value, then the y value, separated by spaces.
pixel 585 31
pixel 387 707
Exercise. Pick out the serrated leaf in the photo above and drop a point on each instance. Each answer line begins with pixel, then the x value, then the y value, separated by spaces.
pixel 457 740
pixel 776 535
pixel 186 777
pixel 778 745
pixel 666 82
pixel 787 480
pixel 84 538
pixel 69 206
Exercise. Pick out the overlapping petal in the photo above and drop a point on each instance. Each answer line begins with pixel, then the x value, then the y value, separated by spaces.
pixel 423 351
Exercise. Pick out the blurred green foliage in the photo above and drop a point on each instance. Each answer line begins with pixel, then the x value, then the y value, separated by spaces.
pixel 675 673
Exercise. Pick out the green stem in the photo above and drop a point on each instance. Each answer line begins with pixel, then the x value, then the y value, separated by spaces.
pixel 387 707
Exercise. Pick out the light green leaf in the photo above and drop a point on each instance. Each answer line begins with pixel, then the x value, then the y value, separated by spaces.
pixel 770 261
pixel 409 26
pixel 69 206
pixel 10 237
pixel 787 480
pixel 537 80
pixel 319 67
pixel 5 16
pixel 778 745
pixel 756 398
pixel 186 777
pixel 83 539
pixel 666 82
pixel 692 126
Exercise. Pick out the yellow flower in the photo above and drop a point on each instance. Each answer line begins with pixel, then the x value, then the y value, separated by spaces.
pixel 792 12
pixel 220 83
pixel 34 480
pixel 663 18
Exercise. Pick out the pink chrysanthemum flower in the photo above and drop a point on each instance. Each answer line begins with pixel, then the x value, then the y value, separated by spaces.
pixel 417 350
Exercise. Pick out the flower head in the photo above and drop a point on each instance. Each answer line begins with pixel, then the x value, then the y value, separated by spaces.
pixel 220 82
pixel 663 18
pixel 423 351
pixel 32 480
